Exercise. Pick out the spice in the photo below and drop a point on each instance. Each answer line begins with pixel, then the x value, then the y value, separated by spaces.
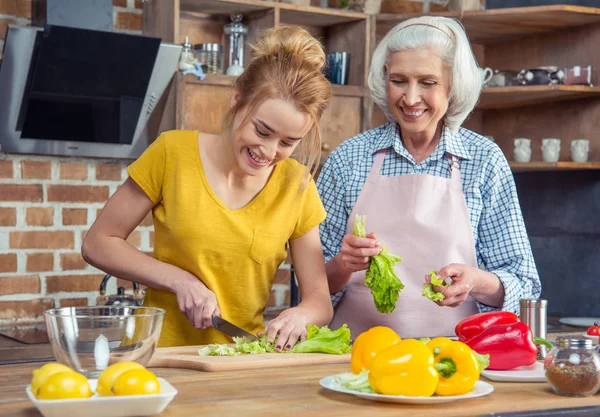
pixel 573 367
pixel 573 379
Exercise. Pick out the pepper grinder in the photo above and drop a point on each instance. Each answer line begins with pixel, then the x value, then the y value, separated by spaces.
pixel 533 313
pixel 237 33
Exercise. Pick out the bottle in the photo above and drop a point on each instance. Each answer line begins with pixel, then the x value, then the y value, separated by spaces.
pixel 573 367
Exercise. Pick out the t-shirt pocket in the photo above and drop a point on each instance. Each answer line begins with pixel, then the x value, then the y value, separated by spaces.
pixel 266 246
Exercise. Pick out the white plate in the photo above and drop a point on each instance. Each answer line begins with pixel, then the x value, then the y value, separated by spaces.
pixel 96 406
pixel 531 373
pixel 481 389
pixel 579 321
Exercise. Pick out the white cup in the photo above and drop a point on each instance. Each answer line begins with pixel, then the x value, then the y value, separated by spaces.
pixel 579 150
pixel 486 75
pixel 522 152
pixel 550 149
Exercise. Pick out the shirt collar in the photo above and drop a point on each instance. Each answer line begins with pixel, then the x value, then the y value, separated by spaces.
pixel 450 142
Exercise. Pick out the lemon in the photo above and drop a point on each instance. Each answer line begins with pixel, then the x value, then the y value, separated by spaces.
pixel 40 375
pixel 107 378
pixel 136 382
pixel 64 385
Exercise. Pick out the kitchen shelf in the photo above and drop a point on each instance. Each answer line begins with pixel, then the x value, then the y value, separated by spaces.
pixel 552 166
pixel 501 25
pixel 290 13
pixel 506 97
pixel 227 81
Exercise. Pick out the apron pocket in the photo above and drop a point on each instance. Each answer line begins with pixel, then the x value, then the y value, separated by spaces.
pixel 266 246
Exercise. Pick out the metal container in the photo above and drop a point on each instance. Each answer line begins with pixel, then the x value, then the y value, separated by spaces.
pixel 534 314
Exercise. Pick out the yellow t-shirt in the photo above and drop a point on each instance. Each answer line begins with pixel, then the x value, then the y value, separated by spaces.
pixel 235 253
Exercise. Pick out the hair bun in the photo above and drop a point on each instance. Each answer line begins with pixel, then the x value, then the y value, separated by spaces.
pixel 292 41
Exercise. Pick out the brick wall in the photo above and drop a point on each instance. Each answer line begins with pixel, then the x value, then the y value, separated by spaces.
pixel 47 204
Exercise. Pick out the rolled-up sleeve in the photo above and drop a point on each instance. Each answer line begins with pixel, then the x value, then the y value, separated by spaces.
pixel 503 244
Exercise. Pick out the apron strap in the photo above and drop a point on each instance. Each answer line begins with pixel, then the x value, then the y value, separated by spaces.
pixel 379 157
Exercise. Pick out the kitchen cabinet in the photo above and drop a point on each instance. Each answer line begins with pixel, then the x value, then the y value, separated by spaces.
pixel 195 104
pixel 528 37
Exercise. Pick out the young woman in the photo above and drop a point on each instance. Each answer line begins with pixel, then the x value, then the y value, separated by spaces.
pixel 225 206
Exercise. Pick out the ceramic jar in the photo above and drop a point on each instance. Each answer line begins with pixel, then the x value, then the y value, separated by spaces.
pixel 579 150
pixel 522 151
pixel 550 149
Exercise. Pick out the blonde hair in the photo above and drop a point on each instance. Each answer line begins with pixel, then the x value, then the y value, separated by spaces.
pixel 286 64
pixel 449 39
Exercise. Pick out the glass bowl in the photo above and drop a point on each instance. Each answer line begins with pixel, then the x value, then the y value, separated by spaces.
pixel 89 339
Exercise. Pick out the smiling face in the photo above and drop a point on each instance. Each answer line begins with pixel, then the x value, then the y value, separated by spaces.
pixel 418 84
pixel 269 136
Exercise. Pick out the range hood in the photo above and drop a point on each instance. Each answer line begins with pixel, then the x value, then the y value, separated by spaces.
pixel 73 91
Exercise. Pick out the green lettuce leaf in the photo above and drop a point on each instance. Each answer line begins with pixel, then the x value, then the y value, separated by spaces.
pixel 325 340
pixel 381 277
pixel 428 290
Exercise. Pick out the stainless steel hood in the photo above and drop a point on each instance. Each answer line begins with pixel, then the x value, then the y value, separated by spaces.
pixel 73 91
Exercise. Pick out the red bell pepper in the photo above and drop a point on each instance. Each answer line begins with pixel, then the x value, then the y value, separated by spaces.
pixel 475 324
pixel 509 345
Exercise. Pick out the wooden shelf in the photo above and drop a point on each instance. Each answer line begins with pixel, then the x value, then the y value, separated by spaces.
pixel 227 81
pixel 501 25
pixel 290 13
pixel 552 166
pixel 506 97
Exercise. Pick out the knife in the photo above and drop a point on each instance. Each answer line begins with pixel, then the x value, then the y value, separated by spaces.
pixel 230 329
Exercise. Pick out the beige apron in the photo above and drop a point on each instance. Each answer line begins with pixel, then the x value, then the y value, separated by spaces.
pixel 424 219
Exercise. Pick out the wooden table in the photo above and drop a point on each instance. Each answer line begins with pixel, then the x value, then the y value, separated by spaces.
pixel 295 391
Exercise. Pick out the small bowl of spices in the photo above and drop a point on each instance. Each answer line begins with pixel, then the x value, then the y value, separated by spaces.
pixel 573 367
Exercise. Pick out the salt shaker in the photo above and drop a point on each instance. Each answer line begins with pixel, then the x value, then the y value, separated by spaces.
pixel 533 313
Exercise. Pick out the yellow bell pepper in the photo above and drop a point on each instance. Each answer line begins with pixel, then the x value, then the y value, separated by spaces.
pixel 405 368
pixel 370 343
pixel 457 365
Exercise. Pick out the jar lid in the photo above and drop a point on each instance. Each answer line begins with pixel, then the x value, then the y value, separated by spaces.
pixel 532 302
pixel 574 342
pixel 208 47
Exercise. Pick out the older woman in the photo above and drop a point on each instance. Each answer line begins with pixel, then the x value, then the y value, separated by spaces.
pixel 439 195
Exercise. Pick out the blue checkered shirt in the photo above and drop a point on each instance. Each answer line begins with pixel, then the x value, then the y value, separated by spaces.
pixel 501 243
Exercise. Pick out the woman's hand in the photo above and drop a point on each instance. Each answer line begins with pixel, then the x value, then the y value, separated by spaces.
pixel 287 329
pixel 356 251
pixel 464 279
pixel 197 302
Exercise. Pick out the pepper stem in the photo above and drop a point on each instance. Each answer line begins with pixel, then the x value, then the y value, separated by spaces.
pixel 542 341
pixel 445 367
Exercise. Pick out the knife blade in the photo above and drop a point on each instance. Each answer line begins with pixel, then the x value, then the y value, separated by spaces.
pixel 230 329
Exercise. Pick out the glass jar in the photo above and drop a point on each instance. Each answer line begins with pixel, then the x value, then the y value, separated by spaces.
pixel 210 56
pixel 573 367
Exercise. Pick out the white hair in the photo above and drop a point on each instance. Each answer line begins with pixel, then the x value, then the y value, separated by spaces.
pixel 465 80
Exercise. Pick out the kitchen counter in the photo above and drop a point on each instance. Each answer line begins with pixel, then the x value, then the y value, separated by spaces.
pixel 296 391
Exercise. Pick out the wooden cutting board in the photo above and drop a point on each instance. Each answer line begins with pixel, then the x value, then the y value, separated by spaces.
pixel 186 357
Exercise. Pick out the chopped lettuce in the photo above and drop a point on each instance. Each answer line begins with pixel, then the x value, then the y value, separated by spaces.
pixel 318 340
pixel 381 277
pixel 260 345
pixel 325 340
pixel 217 350
pixel 428 290
pixel 354 382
